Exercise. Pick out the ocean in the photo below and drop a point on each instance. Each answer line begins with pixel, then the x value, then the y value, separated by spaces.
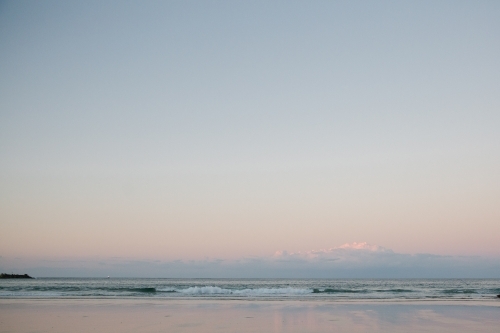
pixel 252 289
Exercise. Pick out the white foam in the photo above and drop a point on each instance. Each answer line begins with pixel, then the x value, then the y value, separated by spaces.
pixel 211 290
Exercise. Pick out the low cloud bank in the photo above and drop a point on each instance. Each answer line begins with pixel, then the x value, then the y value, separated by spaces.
pixel 356 260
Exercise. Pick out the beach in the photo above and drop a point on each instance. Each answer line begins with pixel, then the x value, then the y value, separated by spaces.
pixel 249 166
pixel 193 316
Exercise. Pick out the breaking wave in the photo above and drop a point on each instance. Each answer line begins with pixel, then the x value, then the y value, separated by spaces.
pixel 212 290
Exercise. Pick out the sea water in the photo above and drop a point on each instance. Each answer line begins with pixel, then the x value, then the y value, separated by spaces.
pixel 253 289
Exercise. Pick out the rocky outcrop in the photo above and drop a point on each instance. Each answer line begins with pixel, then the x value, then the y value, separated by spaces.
pixel 15 276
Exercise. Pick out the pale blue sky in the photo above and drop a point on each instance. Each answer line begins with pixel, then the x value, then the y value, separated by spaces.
pixel 187 129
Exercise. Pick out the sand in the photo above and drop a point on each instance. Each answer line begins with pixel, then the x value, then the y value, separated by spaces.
pixel 142 315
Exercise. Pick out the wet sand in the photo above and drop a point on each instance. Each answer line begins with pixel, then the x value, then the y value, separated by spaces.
pixel 196 316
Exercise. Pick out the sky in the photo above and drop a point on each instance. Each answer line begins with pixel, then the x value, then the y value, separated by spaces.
pixel 229 131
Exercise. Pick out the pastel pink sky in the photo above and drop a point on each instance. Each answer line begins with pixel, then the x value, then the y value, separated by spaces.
pixel 187 130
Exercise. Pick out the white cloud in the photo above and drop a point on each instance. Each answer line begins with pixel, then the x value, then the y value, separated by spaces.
pixel 345 251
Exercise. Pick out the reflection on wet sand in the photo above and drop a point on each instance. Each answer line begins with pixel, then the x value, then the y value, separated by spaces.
pixel 245 316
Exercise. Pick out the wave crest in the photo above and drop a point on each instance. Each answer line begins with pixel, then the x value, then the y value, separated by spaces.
pixel 212 290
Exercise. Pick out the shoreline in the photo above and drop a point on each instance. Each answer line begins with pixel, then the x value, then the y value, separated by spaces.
pixel 478 302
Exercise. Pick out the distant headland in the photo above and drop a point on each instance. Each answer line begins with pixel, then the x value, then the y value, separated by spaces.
pixel 15 276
